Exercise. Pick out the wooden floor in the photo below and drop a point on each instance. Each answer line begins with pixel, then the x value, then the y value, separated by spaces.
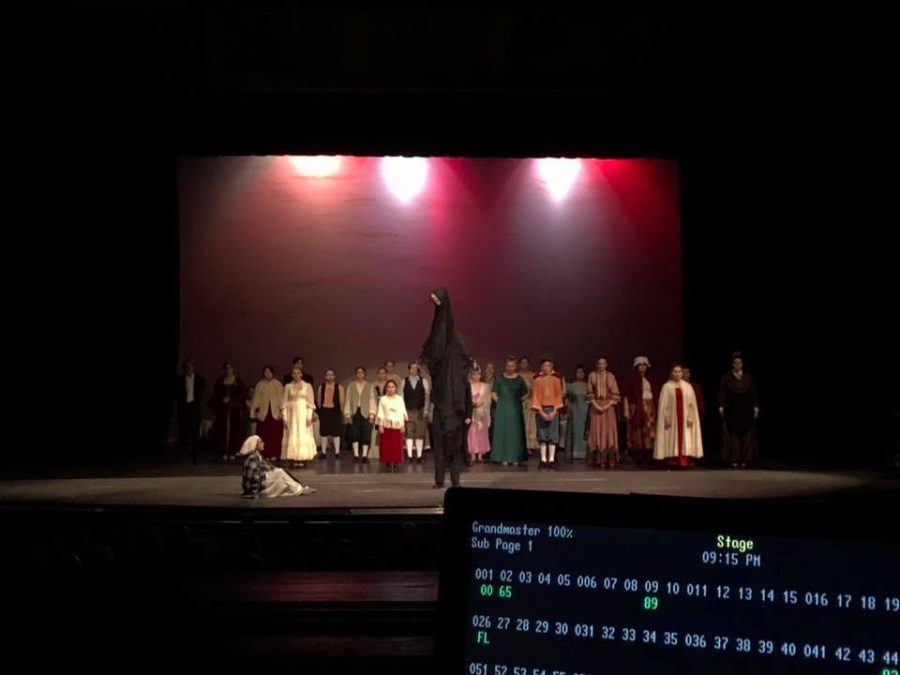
pixel 343 484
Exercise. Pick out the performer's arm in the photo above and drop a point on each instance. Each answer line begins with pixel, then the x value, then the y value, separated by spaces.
pixel 755 396
pixel 284 402
pixel 723 391
pixel 310 406
pixel 612 389
pixel 345 405
pixel 255 404
pixel 379 420
pixel 666 407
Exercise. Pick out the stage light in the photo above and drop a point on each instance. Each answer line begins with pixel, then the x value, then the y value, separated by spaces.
pixel 559 174
pixel 404 176
pixel 318 166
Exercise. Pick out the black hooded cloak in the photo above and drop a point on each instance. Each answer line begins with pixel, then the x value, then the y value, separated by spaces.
pixel 447 359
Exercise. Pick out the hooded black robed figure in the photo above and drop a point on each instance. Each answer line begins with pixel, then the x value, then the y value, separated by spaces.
pixel 448 361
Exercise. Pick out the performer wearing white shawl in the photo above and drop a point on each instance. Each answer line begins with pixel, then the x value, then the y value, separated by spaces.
pixel 261 479
pixel 678 438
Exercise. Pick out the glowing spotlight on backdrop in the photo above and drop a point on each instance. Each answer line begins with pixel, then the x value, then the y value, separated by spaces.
pixel 404 176
pixel 359 250
pixel 558 174
pixel 318 166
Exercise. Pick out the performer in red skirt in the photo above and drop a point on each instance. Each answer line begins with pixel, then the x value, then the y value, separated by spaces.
pixel 265 408
pixel 391 421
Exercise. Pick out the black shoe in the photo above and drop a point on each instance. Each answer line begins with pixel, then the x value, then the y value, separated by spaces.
pixel 543 464
pixel 418 460
pixel 356 460
pixel 365 460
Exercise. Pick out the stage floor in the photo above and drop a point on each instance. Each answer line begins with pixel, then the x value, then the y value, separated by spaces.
pixel 345 485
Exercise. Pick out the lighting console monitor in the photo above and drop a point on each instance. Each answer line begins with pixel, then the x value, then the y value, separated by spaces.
pixel 541 583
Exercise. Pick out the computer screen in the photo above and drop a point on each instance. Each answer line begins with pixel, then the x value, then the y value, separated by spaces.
pixel 569 592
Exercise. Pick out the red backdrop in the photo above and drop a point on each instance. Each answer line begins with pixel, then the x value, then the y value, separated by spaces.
pixel 337 269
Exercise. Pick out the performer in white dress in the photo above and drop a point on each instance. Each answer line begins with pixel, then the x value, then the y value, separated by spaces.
pixel 297 408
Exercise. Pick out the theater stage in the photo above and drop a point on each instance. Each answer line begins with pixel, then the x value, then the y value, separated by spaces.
pixel 344 485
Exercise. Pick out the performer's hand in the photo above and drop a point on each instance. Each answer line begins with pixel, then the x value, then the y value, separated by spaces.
pixel 690 423
pixel 755 413
pixel 668 423
pixel 225 400
pixel 468 421
pixel 495 397
pixel 371 419
pixel 380 428
pixel 309 423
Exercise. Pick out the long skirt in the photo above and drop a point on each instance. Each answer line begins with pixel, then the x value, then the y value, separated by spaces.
pixel 391 448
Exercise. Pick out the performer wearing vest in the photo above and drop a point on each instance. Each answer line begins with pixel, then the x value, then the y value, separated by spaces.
pixel 329 405
pixel 359 413
pixel 417 398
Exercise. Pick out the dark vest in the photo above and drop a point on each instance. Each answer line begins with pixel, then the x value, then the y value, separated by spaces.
pixel 414 397
pixel 335 398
